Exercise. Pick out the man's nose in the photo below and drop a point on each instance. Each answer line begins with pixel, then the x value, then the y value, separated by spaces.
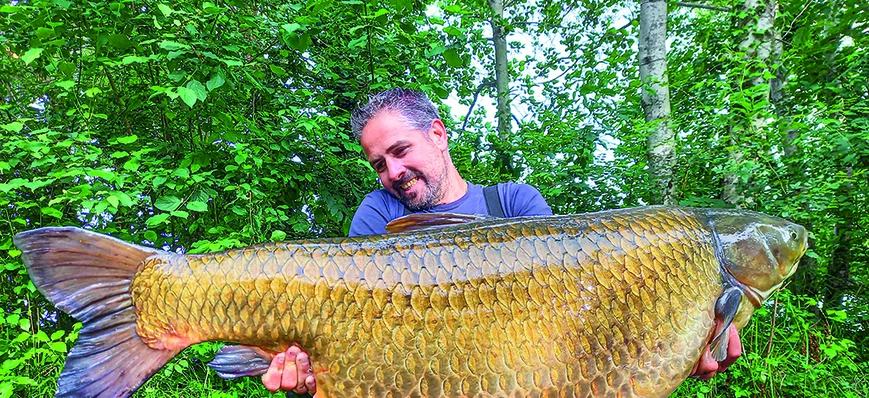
pixel 395 170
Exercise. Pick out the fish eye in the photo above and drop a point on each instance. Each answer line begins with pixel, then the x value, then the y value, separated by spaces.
pixel 793 235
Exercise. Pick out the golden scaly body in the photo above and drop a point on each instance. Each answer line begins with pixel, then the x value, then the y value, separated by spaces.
pixel 614 304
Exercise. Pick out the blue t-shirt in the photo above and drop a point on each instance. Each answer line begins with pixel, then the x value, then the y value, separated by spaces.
pixel 380 207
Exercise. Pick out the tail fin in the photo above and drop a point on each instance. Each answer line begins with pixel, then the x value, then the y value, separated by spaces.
pixel 87 275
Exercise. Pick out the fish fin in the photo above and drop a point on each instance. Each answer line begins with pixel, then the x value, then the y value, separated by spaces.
pixel 234 361
pixel 428 221
pixel 87 275
pixel 725 309
pixel 109 359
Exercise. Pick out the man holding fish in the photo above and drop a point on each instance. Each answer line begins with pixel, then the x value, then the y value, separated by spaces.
pixel 406 143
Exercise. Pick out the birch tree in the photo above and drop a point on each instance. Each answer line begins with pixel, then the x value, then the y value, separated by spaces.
pixel 502 82
pixel 656 99
pixel 753 24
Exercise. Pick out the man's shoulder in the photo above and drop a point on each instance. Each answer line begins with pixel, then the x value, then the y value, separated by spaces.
pixel 520 200
pixel 511 189
pixel 377 208
pixel 381 195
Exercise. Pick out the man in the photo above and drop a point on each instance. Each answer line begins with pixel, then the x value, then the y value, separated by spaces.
pixel 406 143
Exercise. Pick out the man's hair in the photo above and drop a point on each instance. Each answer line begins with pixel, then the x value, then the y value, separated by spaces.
pixel 413 105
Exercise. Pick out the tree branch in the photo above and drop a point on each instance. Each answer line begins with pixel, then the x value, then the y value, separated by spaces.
pixel 474 102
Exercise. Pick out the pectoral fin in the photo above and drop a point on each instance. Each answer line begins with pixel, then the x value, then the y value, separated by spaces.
pixel 427 221
pixel 725 310
pixel 234 361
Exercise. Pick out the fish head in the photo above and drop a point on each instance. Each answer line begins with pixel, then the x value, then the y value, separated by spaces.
pixel 759 251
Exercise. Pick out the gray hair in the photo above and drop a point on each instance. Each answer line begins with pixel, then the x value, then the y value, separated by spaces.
pixel 413 105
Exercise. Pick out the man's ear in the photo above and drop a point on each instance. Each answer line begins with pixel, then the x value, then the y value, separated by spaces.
pixel 438 134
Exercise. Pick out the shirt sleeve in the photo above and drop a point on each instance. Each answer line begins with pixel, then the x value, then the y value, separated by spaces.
pixel 521 200
pixel 371 217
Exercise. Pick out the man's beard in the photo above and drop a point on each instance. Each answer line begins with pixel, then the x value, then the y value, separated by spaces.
pixel 430 197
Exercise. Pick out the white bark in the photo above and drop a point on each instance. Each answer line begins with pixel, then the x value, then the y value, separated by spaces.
pixel 502 78
pixel 656 98
pixel 755 42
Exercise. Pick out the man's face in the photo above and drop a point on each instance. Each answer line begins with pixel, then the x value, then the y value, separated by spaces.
pixel 410 163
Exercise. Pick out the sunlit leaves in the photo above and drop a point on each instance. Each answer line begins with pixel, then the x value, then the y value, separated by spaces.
pixel 167 203
pixel 216 81
pixel 194 91
pixel 52 212
pixel 31 55
pixel 170 45
pixel 452 58
pixel 165 9
pixel 197 206
pixel 157 219
pixel 13 127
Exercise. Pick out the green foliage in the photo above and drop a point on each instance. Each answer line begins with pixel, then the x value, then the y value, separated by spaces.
pixel 214 125
pixel 788 353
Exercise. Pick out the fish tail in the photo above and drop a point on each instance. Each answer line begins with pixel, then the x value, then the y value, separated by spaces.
pixel 88 275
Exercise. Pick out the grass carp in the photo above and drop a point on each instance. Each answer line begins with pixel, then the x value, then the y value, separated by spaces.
pixel 611 304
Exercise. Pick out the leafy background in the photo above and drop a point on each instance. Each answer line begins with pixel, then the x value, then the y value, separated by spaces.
pixel 203 126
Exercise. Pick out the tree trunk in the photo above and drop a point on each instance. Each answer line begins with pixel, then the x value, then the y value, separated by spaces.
pixel 502 87
pixel 656 99
pixel 754 20
pixel 502 78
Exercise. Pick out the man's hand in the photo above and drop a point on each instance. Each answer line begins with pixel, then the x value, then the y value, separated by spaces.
pixel 290 371
pixel 708 366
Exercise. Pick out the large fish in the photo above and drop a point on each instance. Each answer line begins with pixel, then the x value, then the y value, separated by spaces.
pixel 611 304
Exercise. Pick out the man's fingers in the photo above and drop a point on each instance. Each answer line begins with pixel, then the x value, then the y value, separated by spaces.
pixel 303 366
pixel 706 366
pixel 311 383
pixel 272 377
pixel 290 377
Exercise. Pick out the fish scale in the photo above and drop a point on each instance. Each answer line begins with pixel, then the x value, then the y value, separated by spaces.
pixel 609 304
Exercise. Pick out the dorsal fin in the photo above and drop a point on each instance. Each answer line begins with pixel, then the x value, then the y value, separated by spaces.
pixel 423 221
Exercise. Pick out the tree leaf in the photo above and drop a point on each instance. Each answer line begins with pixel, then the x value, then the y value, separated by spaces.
pixel 58 346
pixel 132 164
pixel 157 220
pixel 31 55
pixel 66 84
pixel 452 57
pixel 277 70
pixel 291 27
pixel 14 127
pixel 197 206
pixel 167 203
pixel 215 82
pixel 134 59
pixel 50 211
pixel 170 45
pixel 36 184
pixel 358 42
pixel 151 235
pixel 278 235
pixel 113 200
pixel 129 139
pixel 198 89
pixel 188 96
pixel 180 214
pixel 166 10
pixel 124 198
